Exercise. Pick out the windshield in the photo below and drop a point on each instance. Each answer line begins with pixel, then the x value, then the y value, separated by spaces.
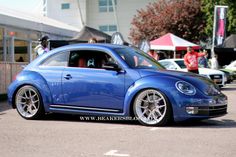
pixel 137 59
pixel 181 64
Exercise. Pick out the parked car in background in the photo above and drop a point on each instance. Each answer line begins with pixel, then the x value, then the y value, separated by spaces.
pixel 178 64
pixel 231 68
pixel 112 80
pixel 229 75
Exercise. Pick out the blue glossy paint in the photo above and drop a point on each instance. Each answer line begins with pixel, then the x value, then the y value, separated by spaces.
pixel 94 88
pixel 31 78
pixel 106 92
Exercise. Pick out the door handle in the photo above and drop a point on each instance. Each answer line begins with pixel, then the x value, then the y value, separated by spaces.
pixel 68 77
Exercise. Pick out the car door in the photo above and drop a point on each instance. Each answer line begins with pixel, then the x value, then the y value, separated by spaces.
pixel 88 86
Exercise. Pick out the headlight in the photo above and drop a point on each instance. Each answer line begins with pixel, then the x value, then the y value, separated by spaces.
pixel 185 88
pixel 212 90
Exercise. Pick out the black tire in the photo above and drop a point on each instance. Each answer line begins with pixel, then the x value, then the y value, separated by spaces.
pixel 28 102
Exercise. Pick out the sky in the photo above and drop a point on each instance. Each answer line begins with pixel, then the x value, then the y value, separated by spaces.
pixel 30 6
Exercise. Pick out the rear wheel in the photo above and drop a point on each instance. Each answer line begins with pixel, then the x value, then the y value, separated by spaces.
pixel 29 103
pixel 151 107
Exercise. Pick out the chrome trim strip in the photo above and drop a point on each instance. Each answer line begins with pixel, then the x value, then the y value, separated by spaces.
pixel 84 108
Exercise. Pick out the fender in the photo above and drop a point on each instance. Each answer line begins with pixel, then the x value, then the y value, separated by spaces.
pixel 35 80
pixel 165 84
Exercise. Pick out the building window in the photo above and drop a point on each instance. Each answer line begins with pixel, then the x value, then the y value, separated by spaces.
pixel 106 5
pixel 21 51
pixel 112 28
pixel 108 28
pixel 65 6
pixel 103 28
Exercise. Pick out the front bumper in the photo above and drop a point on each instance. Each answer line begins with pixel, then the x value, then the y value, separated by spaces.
pixel 218 79
pixel 203 108
pixel 207 110
pixel 208 107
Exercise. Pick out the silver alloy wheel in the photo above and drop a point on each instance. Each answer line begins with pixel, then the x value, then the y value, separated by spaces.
pixel 150 107
pixel 27 101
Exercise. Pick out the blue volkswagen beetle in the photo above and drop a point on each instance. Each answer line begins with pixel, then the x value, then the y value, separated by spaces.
pixel 112 80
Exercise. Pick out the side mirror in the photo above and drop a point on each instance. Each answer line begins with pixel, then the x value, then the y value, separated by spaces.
pixel 111 66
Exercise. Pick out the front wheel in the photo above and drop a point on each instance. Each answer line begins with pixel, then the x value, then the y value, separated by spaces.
pixel 151 108
pixel 29 103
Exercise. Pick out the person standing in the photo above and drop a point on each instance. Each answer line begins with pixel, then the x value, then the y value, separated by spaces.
pixel 92 40
pixel 203 61
pixel 191 60
pixel 43 46
pixel 214 62
pixel 153 54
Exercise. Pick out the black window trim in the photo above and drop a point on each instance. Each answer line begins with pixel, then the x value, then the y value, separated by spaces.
pixel 93 49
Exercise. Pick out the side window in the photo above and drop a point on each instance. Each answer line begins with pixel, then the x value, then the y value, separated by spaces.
pixel 89 59
pixel 60 59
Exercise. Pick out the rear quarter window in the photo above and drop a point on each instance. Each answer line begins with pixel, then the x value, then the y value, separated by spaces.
pixel 59 59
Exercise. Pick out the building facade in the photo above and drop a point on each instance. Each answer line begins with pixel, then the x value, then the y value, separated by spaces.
pixel 99 14
pixel 19 34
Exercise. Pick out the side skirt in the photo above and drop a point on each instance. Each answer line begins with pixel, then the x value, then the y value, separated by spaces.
pixel 85 110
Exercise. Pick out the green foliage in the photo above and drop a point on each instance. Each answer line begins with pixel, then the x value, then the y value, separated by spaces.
pixel 208 11
pixel 189 19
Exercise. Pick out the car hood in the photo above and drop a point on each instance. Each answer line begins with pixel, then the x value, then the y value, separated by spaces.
pixel 198 81
pixel 208 71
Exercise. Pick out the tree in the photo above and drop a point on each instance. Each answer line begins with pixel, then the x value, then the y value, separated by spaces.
pixel 208 11
pixel 180 17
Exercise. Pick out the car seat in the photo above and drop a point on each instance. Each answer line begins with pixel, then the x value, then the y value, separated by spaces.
pixel 82 63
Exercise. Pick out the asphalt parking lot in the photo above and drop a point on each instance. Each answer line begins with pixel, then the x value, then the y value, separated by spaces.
pixel 59 135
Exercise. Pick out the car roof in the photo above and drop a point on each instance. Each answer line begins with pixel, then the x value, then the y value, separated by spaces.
pixel 176 59
pixel 95 45
pixel 101 46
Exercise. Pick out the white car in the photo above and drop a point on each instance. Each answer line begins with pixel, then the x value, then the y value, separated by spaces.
pixel 178 64
pixel 231 66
